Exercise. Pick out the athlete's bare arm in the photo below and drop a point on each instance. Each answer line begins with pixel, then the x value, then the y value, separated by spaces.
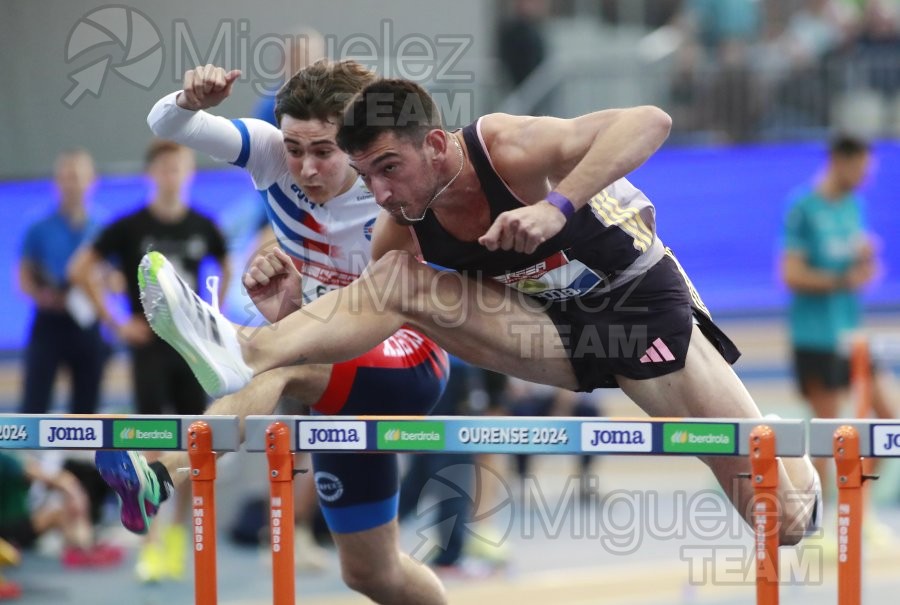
pixel 576 157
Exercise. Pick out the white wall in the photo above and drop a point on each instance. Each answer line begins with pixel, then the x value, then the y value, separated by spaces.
pixel 34 34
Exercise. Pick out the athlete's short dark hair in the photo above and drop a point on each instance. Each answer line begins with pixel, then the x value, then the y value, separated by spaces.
pixel 388 105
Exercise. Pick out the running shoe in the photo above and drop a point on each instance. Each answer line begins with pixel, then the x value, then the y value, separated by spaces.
pixel 9 554
pixel 99 555
pixel 137 486
pixel 151 566
pixel 814 524
pixel 815 517
pixel 197 330
pixel 9 590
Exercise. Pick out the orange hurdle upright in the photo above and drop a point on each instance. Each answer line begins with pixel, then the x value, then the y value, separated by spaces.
pixel 862 382
pixel 766 513
pixel 281 512
pixel 849 467
pixel 203 512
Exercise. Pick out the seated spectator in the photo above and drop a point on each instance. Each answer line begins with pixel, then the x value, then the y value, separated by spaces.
pixel 21 524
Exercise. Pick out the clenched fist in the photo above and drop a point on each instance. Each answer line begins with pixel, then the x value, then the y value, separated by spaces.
pixel 206 86
pixel 274 284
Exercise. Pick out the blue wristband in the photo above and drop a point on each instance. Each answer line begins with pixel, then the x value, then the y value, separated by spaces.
pixel 562 203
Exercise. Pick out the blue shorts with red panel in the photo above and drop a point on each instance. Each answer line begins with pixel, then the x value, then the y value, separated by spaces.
pixel 403 376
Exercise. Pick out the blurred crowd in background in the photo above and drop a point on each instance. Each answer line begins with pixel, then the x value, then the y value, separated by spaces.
pixel 733 70
pixel 728 71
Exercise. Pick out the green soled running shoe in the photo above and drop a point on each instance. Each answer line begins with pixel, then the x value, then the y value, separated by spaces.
pixel 197 330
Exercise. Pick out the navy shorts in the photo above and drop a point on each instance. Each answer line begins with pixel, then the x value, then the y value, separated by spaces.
pixel 403 376
pixel 640 330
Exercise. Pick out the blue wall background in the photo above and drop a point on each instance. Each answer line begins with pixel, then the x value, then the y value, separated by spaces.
pixel 720 210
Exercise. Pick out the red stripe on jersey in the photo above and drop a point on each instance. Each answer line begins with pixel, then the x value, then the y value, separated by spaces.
pixel 311 244
pixel 310 222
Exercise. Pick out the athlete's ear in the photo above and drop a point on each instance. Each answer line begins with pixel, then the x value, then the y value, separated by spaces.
pixel 435 143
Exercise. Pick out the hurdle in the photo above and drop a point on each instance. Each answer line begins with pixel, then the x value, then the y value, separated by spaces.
pixel 761 441
pixel 281 436
pixel 200 436
pixel 851 442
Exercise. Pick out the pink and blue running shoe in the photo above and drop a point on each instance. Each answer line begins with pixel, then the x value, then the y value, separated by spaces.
pixel 137 486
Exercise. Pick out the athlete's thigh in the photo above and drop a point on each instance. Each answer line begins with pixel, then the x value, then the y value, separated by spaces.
pixel 369 548
pixel 304 384
pixel 494 326
pixel 705 387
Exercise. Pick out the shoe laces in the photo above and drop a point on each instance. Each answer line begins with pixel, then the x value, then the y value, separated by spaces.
pixel 212 286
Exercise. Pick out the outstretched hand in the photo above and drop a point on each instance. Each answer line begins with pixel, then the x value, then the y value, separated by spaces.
pixel 524 229
pixel 206 86
pixel 274 284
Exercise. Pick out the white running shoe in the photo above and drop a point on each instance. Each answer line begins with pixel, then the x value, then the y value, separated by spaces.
pixel 815 518
pixel 814 525
pixel 197 330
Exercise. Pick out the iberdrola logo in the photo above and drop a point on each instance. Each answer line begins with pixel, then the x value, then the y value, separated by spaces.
pixel 406 435
pixel 700 437
pixel 680 437
pixel 147 434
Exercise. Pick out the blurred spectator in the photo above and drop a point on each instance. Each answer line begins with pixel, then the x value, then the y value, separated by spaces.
pixel 828 258
pixel 713 86
pixel 530 399
pixel 748 69
pixel 818 29
pixel 452 513
pixel 797 57
pixel 520 39
pixel 652 14
pixel 162 380
pixel 879 46
pixel 721 24
pixel 462 550
pixel 488 397
pixel 64 330
pixel 22 524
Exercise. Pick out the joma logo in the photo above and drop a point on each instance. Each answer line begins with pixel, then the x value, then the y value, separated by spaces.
pixel 79 433
pixel 332 435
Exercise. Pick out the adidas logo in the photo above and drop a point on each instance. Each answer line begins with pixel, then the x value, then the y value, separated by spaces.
pixel 657 352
